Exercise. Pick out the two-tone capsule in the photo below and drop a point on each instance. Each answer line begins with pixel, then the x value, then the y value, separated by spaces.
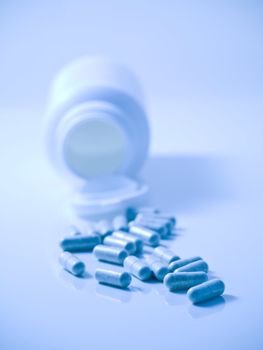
pixel 165 254
pixel 148 236
pixel 137 268
pixel 113 278
pixel 158 268
pixel 120 243
pixel 184 280
pixel 79 243
pixel 110 254
pixel 174 265
pixel 199 265
pixel 206 291
pixel 129 238
pixel 72 264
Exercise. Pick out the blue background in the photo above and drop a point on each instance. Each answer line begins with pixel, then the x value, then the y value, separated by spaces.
pixel 200 63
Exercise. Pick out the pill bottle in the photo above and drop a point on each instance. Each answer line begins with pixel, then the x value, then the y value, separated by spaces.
pixel 97 135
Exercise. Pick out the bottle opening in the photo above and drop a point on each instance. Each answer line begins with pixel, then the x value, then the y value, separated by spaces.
pixel 95 148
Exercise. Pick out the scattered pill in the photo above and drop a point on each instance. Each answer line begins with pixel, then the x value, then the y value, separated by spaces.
pixel 184 280
pixel 129 238
pixel 110 254
pixel 72 264
pixel 146 235
pixel 137 268
pixel 120 223
pixel 158 268
pixel 165 221
pixel 161 227
pixel 165 254
pixel 117 242
pixel 113 278
pixel 174 265
pixel 199 265
pixel 205 291
pixel 130 214
pixel 79 243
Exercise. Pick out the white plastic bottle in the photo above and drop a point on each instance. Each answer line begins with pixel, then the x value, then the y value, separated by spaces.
pixel 97 135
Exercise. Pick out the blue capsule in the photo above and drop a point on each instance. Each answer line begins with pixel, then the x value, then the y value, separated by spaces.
pixel 159 226
pixel 198 265
pixel 72 264
pixel 113 278
pixel 165 254
pixel 184 280
pixel 137 268
pixel 129 238
pixel 158 268
pixel 206 291
pixel 182 262
pixel 110 254
pixel 79 243
pixel 117 242
pixel 148 236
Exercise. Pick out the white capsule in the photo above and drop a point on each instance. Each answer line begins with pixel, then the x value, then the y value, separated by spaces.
pixel 110 254
pixel 137 268
pixel 79 243
pixel 120 223
pixel 148 236
pixel 174 265
pixel 184 280
pixel 165 254
pixel 113 278
pixel 206 291
pixel 158 268
pixel 117 242
pixel 198 265
pixel 72 264
pixel 129 238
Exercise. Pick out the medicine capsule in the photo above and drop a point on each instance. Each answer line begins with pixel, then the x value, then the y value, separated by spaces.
pixel 182 262
pixel 146 235
pixel 113 278
pixel 120 223
pixel 110 254
pixel 72 264
pixel 167 222
pixel 79 243
pixel 184 280
pixel 160 227
pixel 104 228
pixel 165 254
pixel 117 242
pixel 137 268
pixel 129 238
pixel 205 291
pixel 158 268
pixel 199 265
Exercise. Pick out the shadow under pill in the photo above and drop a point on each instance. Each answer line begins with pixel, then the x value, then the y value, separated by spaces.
pixel 74 281
pixel 114 293
pixel 212 306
